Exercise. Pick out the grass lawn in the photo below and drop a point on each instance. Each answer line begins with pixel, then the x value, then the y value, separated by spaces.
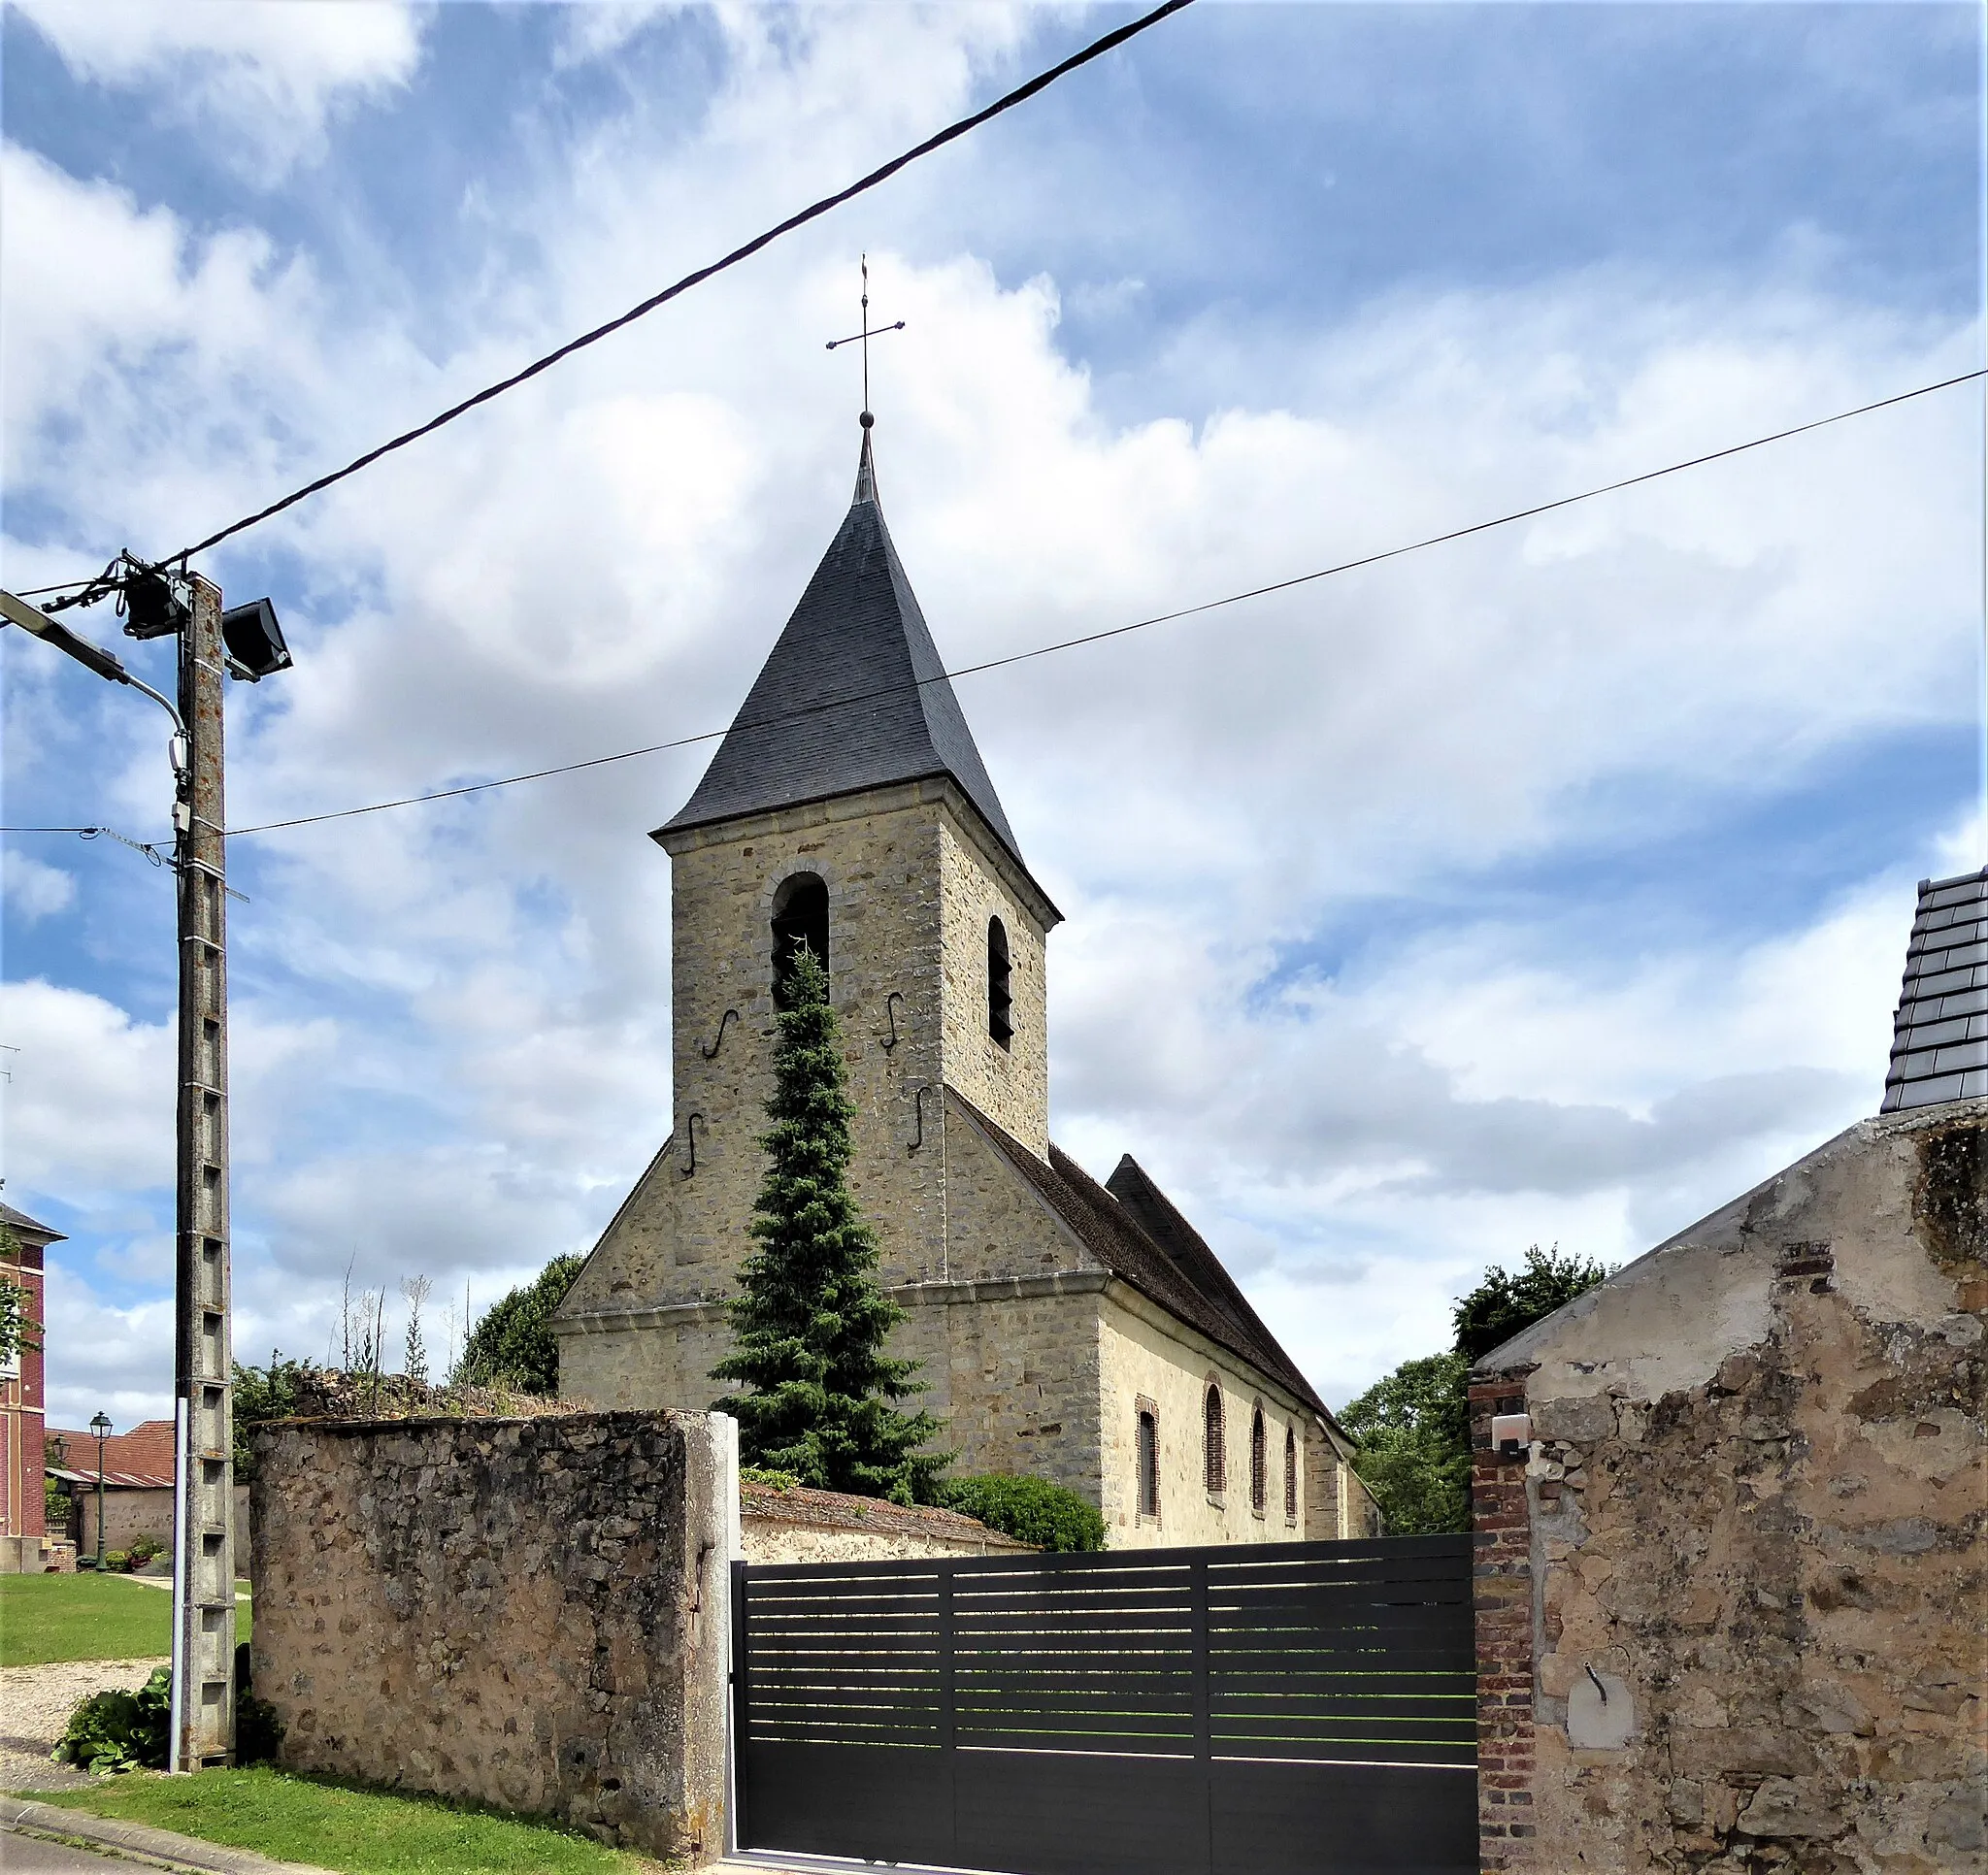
pixel 87 1617
pixel 80 1618
pixel 363 1833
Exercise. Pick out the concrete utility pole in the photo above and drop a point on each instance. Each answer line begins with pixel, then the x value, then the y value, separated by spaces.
pixel 204 1547
pixel 248 643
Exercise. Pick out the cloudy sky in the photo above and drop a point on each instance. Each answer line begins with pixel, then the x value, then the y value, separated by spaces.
pixel 1548 886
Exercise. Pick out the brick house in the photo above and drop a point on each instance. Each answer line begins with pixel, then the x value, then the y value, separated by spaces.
pixel 1069 1330
pixel 23 1537
pixel 1732 1505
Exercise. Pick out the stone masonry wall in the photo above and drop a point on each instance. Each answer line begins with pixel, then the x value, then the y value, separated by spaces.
pixel 1152 1362
pixel 1733 1594
pixel 528 1613
pixel 911 888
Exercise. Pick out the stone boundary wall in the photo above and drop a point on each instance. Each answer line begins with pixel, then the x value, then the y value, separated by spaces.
pixel 527 1613
pixel 798 1525
pixel 1732 1579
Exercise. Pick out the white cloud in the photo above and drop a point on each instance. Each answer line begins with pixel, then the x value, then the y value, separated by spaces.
pixel 258 78
pixel 91 1105
pixel 452 1022
pixel 32 890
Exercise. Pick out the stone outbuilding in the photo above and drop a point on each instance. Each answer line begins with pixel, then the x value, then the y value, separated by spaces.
pixel 1068 1330
pixel 1733 1580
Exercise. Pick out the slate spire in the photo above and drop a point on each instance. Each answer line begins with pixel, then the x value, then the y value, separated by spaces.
pixel 852 696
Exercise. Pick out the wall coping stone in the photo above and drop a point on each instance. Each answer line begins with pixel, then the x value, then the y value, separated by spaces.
pixel 842 1510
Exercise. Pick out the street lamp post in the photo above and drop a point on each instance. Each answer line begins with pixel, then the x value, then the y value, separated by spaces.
pixel 101 1427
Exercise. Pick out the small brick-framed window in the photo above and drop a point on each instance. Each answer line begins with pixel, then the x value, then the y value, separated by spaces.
pixel 1259 1460
pixel 1148 1458
pixel 1214 1453
pixel 1290 1476
pixel 1000 997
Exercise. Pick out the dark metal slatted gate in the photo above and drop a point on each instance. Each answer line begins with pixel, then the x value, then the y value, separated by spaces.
pixel 1288 1709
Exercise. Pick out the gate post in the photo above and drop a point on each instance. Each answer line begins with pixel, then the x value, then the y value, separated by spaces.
pixel 737 1826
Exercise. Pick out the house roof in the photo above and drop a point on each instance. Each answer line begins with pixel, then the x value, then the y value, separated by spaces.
pixel 36 1235
pixel 1940 1037
pixel 140 1458
pixel 852 696
pixel 112 1480
pixel 1133 1230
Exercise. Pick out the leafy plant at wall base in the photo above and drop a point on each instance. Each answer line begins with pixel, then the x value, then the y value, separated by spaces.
pixel 258 1732
pixel 810 1317
pixel 512 1344
pixel 117 1559
pixel 120 1732
pixel 1032 1510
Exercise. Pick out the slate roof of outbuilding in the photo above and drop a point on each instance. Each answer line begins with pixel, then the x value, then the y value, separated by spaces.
pixel 1151 1246
pixel 853 695
pixel 20 1220
pixel 1940 1037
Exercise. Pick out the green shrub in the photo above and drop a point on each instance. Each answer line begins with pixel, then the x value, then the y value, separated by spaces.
pixel 120 1732
pixel 760 1474
pixel 258 1732
pixel 1033 1510
pixel 143 1549
pixel 119 1560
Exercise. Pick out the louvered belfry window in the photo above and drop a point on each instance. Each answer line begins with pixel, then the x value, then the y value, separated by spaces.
pixel 1214 1454
pixel 1259 1462
pixel 1000 999
pixel 1290 1476
pixel 1149 1465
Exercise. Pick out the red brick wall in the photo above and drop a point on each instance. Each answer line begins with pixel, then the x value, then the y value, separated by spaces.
pixel 1501 1537
pixel 21 1413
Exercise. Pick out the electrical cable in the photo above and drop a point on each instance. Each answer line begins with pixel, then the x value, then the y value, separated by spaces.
pixel 1020 95
pixel 1122 631
pixel 148 848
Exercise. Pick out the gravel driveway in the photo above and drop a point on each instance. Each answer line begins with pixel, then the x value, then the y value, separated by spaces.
pixel 35 1705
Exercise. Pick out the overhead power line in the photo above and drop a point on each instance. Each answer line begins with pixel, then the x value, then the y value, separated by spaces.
pixel 1138 625
pixel 1097 48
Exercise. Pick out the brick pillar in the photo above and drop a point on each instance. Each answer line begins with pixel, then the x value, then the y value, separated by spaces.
pixel 1502 1535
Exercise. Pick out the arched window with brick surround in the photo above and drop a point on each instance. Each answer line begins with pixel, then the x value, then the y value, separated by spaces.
pixel 1149 1464
pixel 1000 998
pixel 1290 1476
pixel 800 916
pixel 1214 1456
pixel 1259 1460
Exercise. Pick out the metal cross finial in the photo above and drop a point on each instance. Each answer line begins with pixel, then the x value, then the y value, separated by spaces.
pixel 867 333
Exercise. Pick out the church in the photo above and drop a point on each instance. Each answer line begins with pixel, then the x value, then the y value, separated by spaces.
pixel 1066 1330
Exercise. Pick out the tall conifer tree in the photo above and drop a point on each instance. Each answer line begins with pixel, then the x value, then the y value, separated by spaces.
pixel 810 1317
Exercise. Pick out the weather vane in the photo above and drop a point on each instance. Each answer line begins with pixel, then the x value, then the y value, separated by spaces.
pixel 867 333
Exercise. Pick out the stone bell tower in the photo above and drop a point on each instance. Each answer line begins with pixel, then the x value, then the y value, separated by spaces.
pixel 846 807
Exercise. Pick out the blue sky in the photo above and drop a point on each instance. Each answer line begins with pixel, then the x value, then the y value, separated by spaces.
pixel 1549 886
